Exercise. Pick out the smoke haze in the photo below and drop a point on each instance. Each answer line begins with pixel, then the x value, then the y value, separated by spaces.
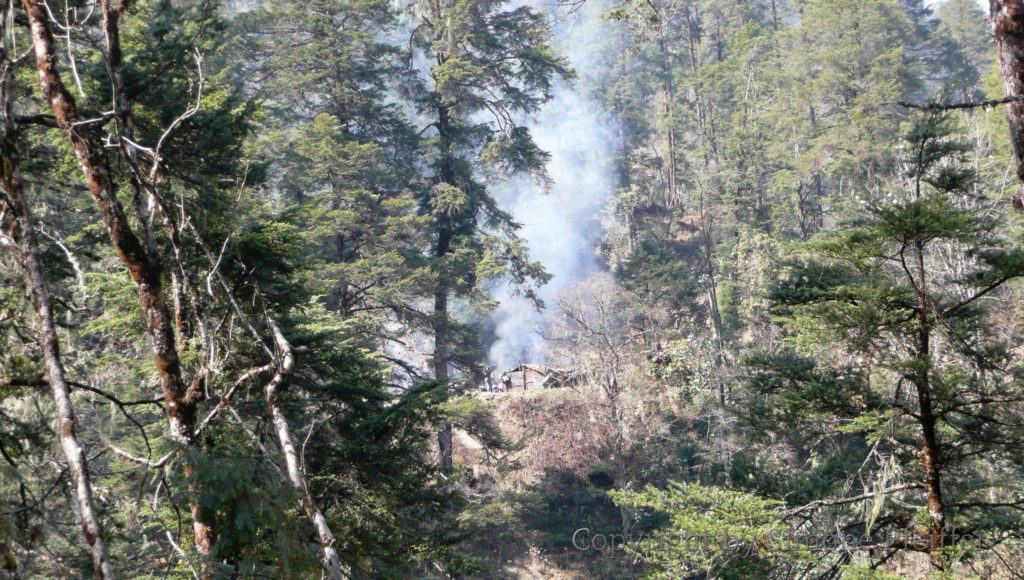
pixel 562 226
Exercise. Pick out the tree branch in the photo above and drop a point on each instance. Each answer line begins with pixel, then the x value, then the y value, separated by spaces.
pixel 963 105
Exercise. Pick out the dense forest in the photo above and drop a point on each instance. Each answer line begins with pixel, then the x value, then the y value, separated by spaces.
pixel 512 289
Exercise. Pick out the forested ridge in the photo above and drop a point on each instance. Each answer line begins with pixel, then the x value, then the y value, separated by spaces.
pixel 493 289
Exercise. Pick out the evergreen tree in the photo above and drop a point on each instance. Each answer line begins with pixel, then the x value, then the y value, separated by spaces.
pixel 489 67
pixel 233 235
pixel 342 160
pixel 897 309
pixel 964 24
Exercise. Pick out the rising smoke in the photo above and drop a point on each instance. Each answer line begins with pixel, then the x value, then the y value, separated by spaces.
pixel 562 226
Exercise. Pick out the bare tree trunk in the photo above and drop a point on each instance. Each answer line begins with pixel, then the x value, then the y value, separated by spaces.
pixel 718 359
pixel 667 111
pixel 930 453
pixel 1008 31
pixel 693 28
pixel 145 196
pixel 930 459
pixel 122 112
pixel 445 438
pixel 291 456
pixel 78 468
pixel 180 402
pixel 708 240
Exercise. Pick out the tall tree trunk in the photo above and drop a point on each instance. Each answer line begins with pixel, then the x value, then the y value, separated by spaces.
pixel 707 240
pixel 445 439
pixel 291 456
pixel 14 187
pixel 441 249
pixel 715 313
pixel 930 459
pixel 122 111
pixel 180 402
pixel 693 27
pixel 667 111
pixel 930 453
pixel 1008 31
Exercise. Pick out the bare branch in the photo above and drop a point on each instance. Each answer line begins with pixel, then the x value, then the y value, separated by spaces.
pixel 963 105
pixel 153 464
pixel 821 503
pixel 180 552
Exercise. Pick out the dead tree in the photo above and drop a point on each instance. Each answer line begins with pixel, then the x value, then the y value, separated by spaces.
pixel 180 401
pixel 291 455
pixel 29 257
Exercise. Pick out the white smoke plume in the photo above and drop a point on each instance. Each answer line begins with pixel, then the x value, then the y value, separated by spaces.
pixel 562 227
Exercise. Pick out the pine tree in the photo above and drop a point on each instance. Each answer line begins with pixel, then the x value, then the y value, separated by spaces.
pixel 490 66
pixel 896 308
pixel 342 161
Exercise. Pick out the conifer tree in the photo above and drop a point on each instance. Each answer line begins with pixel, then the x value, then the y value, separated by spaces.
pixel 489 67
pixel 896 310
pixel 342 159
